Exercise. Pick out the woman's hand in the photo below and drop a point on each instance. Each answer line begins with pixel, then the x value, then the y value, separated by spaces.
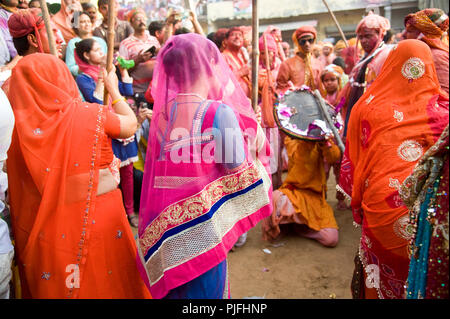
pixel 144 114
pixel 111 82
pixel 126 78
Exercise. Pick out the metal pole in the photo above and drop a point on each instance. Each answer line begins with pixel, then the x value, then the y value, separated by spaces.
pixel 336 22
pixel 110 42
pixel 330 122
pixel 48 27
pixel 255 53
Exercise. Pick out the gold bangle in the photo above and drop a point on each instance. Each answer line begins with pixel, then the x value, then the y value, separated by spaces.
pixel 118 100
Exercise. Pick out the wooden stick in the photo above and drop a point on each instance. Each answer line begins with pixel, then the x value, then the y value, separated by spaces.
pixel 255 53
pixel 110 42
pixel 266 52
pixel 336 22
pixel 324 110
pixel 48 27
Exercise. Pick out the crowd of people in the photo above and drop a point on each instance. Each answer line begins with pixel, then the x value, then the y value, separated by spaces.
pixel 168 142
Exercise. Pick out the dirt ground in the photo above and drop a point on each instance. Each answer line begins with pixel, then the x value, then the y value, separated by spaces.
pixel 297 268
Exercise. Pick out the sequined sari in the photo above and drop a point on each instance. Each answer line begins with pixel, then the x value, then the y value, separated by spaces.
pixel 425 192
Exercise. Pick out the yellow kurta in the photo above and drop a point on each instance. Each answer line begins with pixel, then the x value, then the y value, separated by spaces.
pixel 305 184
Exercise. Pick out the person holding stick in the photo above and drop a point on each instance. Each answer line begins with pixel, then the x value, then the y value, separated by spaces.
pixel 370 33
pixel 90 58
pixel 72 237
pixel 29 35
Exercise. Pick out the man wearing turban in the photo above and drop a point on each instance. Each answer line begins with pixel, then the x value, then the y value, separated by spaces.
pixel 29 35
pixel 370 33
pixel 431 26
pixel 300 69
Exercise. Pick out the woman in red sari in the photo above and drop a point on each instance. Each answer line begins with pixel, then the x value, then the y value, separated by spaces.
pixel 393 124
pixel 72 236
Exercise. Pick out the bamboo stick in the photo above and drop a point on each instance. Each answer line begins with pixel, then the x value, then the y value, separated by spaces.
pixel 110 42
pixel 48 27
pixel 336 22
pixel 255 53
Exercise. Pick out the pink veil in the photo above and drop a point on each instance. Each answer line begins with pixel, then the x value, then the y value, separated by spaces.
pixel 194 206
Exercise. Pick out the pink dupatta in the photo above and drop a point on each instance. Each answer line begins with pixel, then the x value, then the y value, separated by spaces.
pixel 199 192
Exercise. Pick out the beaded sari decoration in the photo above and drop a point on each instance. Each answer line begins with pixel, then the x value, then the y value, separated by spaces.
pixel 198 195
pixel 391 126
pixel 425 192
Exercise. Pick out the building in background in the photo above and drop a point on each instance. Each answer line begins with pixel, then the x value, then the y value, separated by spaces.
pixel 288 15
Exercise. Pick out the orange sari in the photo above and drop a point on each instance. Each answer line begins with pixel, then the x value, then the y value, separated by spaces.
pixel 70 243
pixel 392 125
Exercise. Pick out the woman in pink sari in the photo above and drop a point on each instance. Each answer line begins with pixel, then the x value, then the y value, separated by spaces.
pixel 205 180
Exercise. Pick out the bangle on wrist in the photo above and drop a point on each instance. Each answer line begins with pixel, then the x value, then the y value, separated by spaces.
pixel 118 100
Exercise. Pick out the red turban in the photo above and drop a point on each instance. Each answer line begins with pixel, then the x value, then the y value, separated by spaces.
pixel 130 15
pixel 305 30
pixel 374 21
pixel 25 21
pixel 431 22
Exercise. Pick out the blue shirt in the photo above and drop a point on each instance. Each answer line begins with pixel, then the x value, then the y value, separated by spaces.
pixel 87 85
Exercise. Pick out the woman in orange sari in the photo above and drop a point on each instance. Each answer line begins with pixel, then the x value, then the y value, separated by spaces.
pixel 392 125
pixel 70 228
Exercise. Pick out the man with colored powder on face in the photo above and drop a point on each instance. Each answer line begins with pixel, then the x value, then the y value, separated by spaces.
pixel 236 60
pixel 301 69
pixel 370 33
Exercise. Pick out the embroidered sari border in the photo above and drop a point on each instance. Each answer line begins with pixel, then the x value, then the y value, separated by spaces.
pixel 200 219
pixel 182 247
pixel 196 205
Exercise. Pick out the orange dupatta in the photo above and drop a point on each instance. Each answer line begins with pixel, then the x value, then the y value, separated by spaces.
pixel 53 175
pixel 397 119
